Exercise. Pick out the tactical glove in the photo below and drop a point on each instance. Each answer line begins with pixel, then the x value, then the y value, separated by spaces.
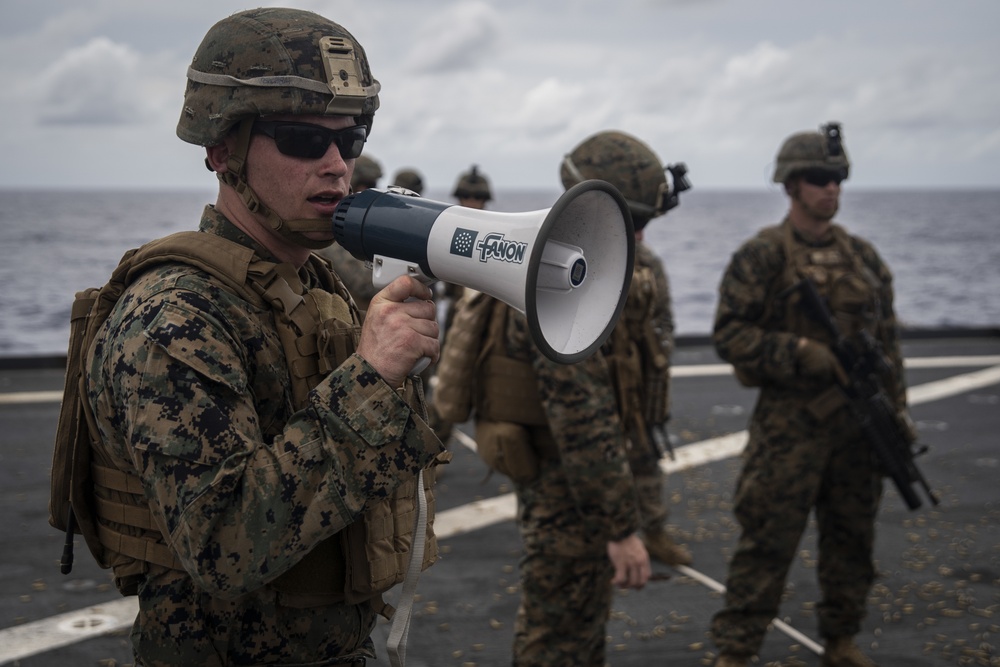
pixel 816 360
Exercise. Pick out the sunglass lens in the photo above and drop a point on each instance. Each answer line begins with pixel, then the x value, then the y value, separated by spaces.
pixel 301 141
pixel 312 141
pixel 351 142
pixel 821 177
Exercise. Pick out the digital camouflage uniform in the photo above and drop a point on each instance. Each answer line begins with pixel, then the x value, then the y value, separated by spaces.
pixel 643 339
pixel 648 310
pixel 804 453
pixel 235 427
pixel 555 430
pixel 578 503
pixel 190 388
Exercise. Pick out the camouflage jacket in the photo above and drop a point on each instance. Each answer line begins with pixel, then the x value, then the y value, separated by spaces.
pixel 582 414
pixel 752 330
pixel 189 387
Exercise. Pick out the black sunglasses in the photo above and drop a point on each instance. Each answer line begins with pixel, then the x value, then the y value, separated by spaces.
pixel 821 177
pixel 308 141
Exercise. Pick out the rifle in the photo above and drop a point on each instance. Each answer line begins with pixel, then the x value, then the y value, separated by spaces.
pixel 864 362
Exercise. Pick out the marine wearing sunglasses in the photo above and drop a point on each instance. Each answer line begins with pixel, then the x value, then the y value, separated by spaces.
pixel 310 142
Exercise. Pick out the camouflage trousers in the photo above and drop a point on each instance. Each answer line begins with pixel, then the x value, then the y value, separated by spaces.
pixel 649 484
pixel 792 466
pixel 565 580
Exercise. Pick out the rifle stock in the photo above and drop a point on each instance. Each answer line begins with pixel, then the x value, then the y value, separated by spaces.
pixel 869 404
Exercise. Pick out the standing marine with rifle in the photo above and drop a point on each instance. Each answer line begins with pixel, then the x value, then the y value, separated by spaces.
pixel 807 450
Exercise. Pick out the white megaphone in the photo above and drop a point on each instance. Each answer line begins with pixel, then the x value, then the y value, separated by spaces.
pixel 567 268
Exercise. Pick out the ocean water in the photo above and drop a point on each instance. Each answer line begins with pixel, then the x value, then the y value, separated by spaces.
pixel 942 247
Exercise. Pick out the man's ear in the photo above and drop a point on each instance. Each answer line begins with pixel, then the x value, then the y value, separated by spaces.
pixel 217 157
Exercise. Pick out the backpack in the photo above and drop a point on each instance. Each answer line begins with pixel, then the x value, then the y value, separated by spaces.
pixel 71 456
pixel 72 499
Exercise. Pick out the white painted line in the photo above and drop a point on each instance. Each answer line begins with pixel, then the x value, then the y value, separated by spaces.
pixel 714 585
pixel 464 439
pixel 475 515
pixel 952 362
pixel 933 391
pixel 700 370
pixel 50 633
pixel 706 451
pixel 31 397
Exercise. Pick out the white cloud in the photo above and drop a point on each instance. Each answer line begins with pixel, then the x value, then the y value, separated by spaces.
pixel 459 38
pixel 97 84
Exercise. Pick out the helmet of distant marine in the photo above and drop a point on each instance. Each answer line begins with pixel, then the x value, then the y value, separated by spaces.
pixel 812 150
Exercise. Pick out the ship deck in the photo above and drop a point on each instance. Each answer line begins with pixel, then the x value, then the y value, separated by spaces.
pixel 936 601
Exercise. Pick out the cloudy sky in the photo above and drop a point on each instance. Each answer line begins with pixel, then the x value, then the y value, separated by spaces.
pixel 93 88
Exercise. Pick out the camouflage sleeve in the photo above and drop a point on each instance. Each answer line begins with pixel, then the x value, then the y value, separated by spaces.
pixel 656 380
pixel 738 333
pixel 580 405
pixel 663 311
pixel 888 326
pixel 240 508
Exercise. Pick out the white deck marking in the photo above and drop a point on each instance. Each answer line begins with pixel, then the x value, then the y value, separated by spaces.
pixel 50 633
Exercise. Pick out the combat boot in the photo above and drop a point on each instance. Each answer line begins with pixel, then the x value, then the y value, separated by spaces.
pixel 843 652
pixel 731 660
pixel 663 548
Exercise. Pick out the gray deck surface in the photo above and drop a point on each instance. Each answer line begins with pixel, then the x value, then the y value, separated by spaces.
pixel 937 600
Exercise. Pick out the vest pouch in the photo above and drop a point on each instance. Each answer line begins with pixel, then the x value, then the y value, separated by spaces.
pixel 335 341
pixel 316 580
pixel 378 546
pixel 506 448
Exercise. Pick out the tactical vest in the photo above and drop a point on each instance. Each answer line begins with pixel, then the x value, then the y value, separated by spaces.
pixel 475 372
pixel 318 330
pixel 849 287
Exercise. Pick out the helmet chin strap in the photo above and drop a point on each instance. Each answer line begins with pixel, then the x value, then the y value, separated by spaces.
pixel 236 177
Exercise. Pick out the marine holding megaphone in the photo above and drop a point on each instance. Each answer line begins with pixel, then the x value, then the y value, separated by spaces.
pixel 257 451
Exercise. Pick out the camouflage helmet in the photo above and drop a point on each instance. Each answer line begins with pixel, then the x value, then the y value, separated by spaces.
pixel 367 171
pixel 274 61
pixel 629 165
pixel 472 184
pixel 812 150
pixel 410 179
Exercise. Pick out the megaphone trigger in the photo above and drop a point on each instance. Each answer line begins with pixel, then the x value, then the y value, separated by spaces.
pixel 387 269
pixel 567 268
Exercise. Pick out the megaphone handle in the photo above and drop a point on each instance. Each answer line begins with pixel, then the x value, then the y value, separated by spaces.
pixel 387 269
pixel 422 362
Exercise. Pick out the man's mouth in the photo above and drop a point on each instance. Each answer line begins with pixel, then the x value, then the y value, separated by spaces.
pixel 325 200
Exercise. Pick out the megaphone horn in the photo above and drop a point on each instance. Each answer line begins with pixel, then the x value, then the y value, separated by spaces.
pixel 567 268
